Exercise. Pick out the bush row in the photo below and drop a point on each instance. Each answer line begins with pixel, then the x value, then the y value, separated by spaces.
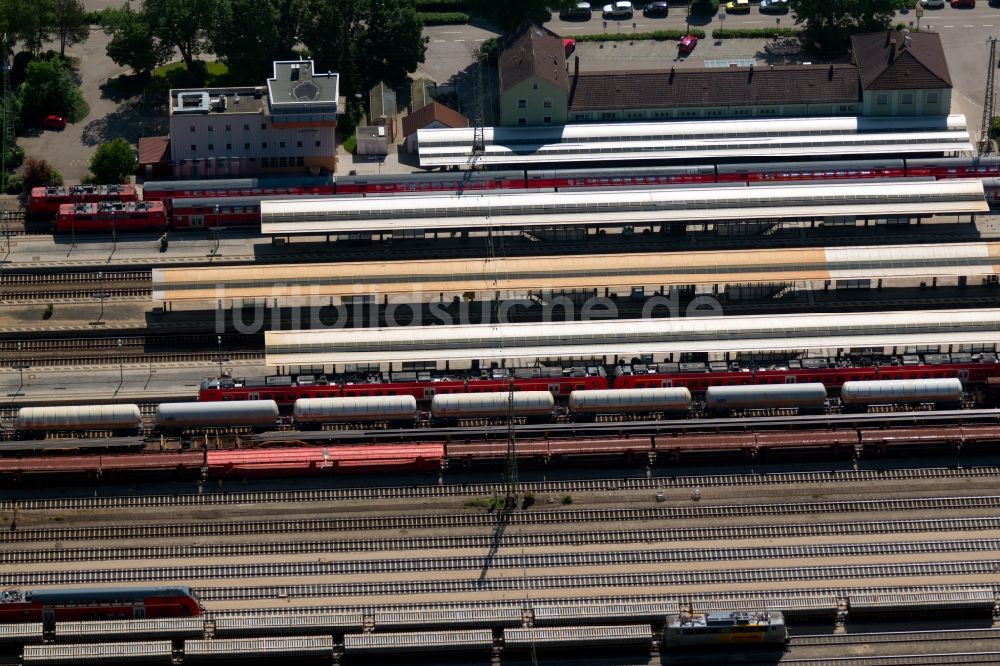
pixel 441 5
pixel 754 33
pixel 658 36
pixel 443 18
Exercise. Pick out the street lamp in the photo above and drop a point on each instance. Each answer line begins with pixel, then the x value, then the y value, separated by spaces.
pixel 100 295
pixel 121 365
pixel 20 366
pixel 220 359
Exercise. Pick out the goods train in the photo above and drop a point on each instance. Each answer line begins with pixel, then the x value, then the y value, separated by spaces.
pixel 686 629
pixel 111 603
pixel 531 406
pixel 971 369
pixel 236 202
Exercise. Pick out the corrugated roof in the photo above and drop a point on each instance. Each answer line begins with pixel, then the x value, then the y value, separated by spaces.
pixel 427 114
pixel 532 51
pixel 742 86
pixel 897 61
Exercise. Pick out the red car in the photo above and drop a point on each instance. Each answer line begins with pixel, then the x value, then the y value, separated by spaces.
pixel 54 122
pixel 687 44
pixel 569 45
pixel 963 4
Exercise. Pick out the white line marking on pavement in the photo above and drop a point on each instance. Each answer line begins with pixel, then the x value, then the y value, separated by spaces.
pixel 439 41
pixel 459 40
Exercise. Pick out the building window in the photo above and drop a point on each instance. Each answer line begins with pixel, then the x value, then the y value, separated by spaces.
pixel 547 103
pixel 534 86
pixel 192 128
pixel 547 120
pixel 211 146
pixel 521 104
pixel 283 162
pixel 211 128
pixel 229 128
pixel 194 148
pixel 264 163
pixel 246 146
pixel 298 144
pixel 882 99
pixel 246 127
pixel 932 98
pixel 282 144
pixel 263 145
pixel 229 146
pixel 263 126
pixel 907 98
pixel 317 143
pixel 522 121
pixel 300 161
pixel 608 115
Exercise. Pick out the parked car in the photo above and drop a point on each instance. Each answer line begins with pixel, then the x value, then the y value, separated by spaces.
pixel 963 4
pixel 569 45
pixel 582 12
pixel 778 6
pixel 932 4
pixel 656 10
pixel 619 11
pixel 687 44
pixel 54 122
pixel 738 7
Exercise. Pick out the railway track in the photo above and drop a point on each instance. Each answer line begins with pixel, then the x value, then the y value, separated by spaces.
pixel 125 349
pixel 739 576
pixel 514 562
pixel 29 281
pixel 507 540
pixel 489 520
pixel 652 484
pixel 815 640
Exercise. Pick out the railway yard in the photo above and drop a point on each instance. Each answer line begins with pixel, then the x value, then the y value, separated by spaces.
pixel 743 413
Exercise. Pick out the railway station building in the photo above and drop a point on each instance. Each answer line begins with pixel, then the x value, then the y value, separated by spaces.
pixel 893 73
pixel 287 125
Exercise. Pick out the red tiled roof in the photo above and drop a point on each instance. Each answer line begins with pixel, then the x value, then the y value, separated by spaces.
pixel 428 113
pixel 894 61
pixel 154 149
pixel 740 86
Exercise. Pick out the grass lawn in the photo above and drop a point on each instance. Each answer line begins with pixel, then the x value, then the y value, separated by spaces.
pixel 177 76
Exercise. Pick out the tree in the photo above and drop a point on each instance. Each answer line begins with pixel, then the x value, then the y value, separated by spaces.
pixel 71 23
pixel 113 162
pixel 830 23
pixel 133 44
pixel 181 24
pixel 39 172
pixel 509 14
pixel 49 89
pixel 364 40
pixel 248 35
pixel 33 22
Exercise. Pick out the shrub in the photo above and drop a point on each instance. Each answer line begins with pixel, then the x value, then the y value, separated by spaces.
pixel 489 48
pixel 905 26
pixel 441 5
pixel 567 499
pixel 527 501
pixel 704 7
pixel 48 311
pixel 113 162
pixel 10 183
pixel 39 172
pixel 754 33
pixel 443 18
pixel 658 36
pixel 351 143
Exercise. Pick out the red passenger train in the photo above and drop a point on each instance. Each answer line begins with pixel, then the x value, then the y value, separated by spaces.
pixel 111 603
pixel 107 216
pixel 45 201
pixel 972 369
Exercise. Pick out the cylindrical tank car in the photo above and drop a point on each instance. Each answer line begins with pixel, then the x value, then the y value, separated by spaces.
pixel 807 397
pixel 120 419
pixel 587 404
pixel 255 414
pixel 535 405
pixel 400 409
pixel 946 391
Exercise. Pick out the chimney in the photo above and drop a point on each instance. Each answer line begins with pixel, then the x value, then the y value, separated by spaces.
pixel 829 75
pixel 576 66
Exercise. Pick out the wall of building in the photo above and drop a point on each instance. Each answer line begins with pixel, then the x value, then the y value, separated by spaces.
pixel 532 102
pixel 685 113
pixel 936 102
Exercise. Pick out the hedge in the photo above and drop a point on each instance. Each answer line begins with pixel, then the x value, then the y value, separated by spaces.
pixel 441 5
pixel 995 128
pixel 658 36
pixel 754 33
pixel 443 18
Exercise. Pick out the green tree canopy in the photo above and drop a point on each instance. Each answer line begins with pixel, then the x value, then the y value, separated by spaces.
pixel 249 34
pixel 509 14
pixel 113 162
pixel 830 23
pixel 71 24
pixel 48 88
pixel 133 44
pixel 181 24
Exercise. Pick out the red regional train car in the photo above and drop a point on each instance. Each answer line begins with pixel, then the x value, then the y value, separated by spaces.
pixel 121 603
pixel 107 216
pixel 280 186
pixel 45 201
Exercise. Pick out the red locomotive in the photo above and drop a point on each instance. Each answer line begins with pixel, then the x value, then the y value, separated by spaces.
pixel 45 201
pixel 122 603
pixel 110 216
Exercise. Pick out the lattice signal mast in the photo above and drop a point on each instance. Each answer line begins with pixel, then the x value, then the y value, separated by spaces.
pixel 478 133
pixel 985 142
pixel 8 118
